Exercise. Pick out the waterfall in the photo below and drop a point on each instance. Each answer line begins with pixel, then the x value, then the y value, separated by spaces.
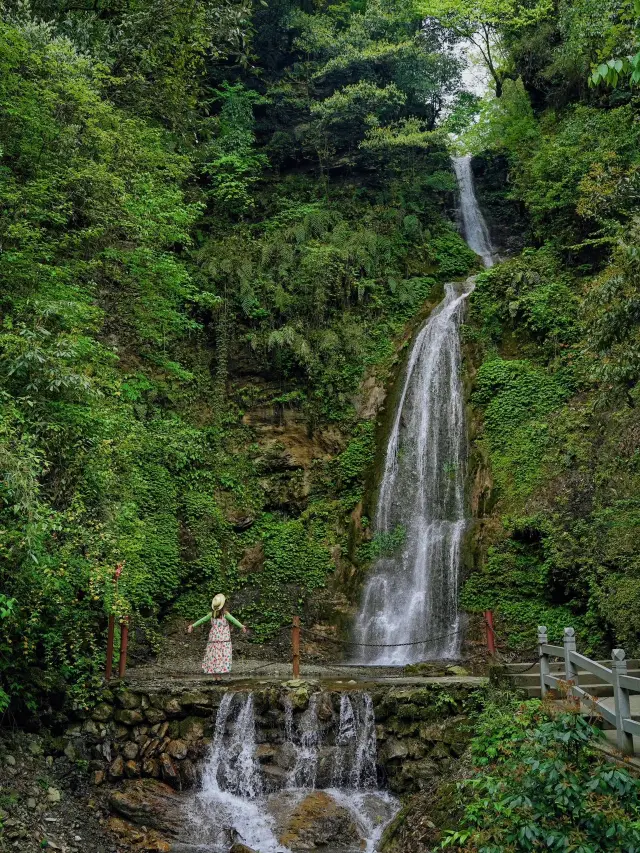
pixel 303 774
pixel 355 745
pixel 412 590
pixel 234 803
pixel 473 226
pixel 227 806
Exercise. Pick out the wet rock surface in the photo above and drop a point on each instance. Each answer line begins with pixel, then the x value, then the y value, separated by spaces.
pixel 106 786
pixel 149 803
pixel 319 822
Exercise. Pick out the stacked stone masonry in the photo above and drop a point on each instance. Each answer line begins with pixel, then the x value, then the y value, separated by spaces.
pixel 164 732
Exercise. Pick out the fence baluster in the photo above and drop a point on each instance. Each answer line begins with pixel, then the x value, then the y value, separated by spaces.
pixel 622 703
pixel 543 657
pixel 570 673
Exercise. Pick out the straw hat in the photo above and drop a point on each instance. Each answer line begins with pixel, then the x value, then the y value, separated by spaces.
pixel 218 602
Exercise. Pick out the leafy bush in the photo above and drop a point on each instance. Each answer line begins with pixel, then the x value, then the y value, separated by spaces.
pixel 539 784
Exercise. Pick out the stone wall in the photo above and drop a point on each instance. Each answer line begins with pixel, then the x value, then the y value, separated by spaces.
pixel 164 732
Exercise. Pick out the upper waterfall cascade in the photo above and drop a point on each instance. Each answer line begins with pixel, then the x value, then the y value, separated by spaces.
pixel 412 591
pixel 472 222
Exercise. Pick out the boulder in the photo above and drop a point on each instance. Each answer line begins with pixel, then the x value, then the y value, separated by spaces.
pixel 188 773
pixel 151 767
pixel 414 776
pixel 196 702
pixel 325 708
pixel 116 770
pixel 129 717
pixel 102 712
pixel 169 770
pixel 285 756
pixel 192 728
pixel 129 700
pixel 394 750
pixel 149 803
pixel 130 750
pixel 154 715
pixel 318 822
pixel 135 838
pixel 131 769
pixel 160 729
pixel 172 707
pixel 177 749
pixel 457 670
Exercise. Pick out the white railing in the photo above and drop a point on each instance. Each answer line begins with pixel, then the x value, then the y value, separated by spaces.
pixel 622 683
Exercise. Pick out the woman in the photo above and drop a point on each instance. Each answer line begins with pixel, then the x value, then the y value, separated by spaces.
pixel 217 656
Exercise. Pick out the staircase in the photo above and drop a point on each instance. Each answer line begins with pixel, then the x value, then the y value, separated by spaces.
pixel 528 679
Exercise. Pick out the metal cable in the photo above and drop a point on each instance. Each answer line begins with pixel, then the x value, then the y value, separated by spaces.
pixel 380 645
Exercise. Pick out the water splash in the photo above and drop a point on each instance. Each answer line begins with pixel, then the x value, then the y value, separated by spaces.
pixel 473 226
pixel 232 804
pixel 363 772
pixel 228 806
pixel 303 773
pixel 412 593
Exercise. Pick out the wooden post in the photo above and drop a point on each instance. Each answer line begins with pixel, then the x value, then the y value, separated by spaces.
pixel 295 644
pixel 621 697
pixel 491 634
pixel 110 637
pixel 124 642
pixel 543 657
pixel 570 674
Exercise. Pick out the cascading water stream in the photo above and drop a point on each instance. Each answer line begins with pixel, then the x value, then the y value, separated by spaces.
pixel 234 803
pixel 412 591
pixel 473 226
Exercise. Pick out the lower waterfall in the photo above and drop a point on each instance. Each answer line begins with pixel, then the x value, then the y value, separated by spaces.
pixel 332 761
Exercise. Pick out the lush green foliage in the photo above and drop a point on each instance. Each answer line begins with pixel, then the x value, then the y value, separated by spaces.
pixel 217 220
pixel 555 332
pixel 539 784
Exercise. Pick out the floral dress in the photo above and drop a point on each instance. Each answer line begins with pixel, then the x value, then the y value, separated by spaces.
pixel 217 655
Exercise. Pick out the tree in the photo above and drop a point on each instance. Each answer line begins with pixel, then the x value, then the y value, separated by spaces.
pixel 483 23
pixel 612 71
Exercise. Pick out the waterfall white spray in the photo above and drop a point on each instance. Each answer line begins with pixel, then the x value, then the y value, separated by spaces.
pixel 355 756
pixel 228 807
pixel 412 592
pixel 473 226
pixel 234 804
pixel 303 774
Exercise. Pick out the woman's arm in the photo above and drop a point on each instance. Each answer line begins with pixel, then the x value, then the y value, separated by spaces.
pixel 234 621
pixel 199 622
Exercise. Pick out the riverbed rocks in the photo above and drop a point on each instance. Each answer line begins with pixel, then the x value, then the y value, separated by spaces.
pixel 149 803
pixel 319 822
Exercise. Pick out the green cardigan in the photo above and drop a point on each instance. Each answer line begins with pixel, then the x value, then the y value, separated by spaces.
pixel 227 616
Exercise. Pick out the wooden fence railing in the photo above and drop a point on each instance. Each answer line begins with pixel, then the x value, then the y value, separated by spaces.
pixel 623 684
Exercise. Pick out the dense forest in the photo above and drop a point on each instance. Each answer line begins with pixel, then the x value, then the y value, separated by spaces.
pixel 220 224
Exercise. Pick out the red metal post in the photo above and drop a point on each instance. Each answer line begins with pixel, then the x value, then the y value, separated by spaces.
pixel 295 644
pixel 124 642
pixel 110 638
pixel 491 634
